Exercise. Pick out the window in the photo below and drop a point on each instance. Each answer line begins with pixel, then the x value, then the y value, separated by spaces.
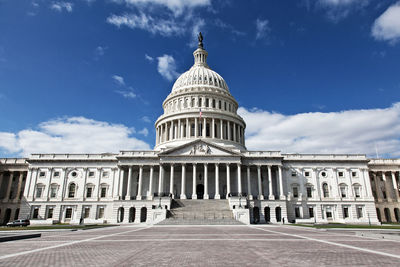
pixel 103 191
pixel 105 174
pixel 383 193
pixel 343 190
pixel 53 191
pixel 71 190
pixel 311 212
pixel 219 104
pixel 307 174
pixel 35 214
pixel 341 174
pixel 42 174
pixel 101 212
pixel 295 192
pixel 74 174
pixel 345 212
pixel 86 212
pixel 359 212
pixel 91 174
pixel 207 103
pixel 323 174
pixel 294 174
pixel 354 174
pixel 297 212
pixel 200 99
pixel 325 189
pixel 89 192
pixel 357 191
pixel 68 213
pixel 50 213
pixel 56 174
pixel 224 105
pixel 309 191
pixel 39 191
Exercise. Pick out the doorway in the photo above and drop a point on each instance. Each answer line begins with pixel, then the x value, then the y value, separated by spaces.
pixel 200 191
pixel 256 215
pixel 267 214
pixel 132 214
pixel 143 214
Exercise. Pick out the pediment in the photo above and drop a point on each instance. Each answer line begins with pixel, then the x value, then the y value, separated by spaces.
pixel 199 148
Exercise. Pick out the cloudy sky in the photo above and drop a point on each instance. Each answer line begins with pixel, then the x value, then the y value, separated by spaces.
pixel 310 76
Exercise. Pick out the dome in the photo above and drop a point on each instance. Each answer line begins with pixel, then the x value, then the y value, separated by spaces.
pixel 200 74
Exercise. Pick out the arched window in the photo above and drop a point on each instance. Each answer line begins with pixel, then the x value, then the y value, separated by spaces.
pixel 343 190
pixel 357 190
pixel 325 189
pixel 71 190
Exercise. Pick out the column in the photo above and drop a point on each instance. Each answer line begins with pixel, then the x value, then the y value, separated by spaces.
pixel 228 180
pixel 221 125
pixel 229 130
pixel 187 128
pixel 206 196
pixel 171 181
pixel 171 131
pixel 128 188
pixel 121 183
pixel 151 182
pixel 160 180
pixel 395 188
pixel 387 188
pixel 196 129
pixel 260 194
pixel 7 196
pixel 194 195
pixel 234 132
pixel 239 134
pixel 270 193
pixel 249 183
pixel 217 195
pixel 239 179
pixel 139 193
pixel 21 174
pixel 281 195
pixel 213 128
pixel 183 184
pixel 204 127
pixel 180 128
pixel 27 183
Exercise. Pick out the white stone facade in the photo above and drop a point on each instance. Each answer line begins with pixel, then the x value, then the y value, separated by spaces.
pixel 200 153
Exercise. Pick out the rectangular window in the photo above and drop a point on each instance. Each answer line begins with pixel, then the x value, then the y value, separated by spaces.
pixel 56 174
pixel 39 192
pixel 307 174
pixel 357 191
pixel 354 174
pixel 35 214
pixel 384 194
pixel 53 191
pixel 105 174
pixel 295 192
pixel 311 212
pixel 42 174
pixel 309 192
pixel 89 192
pixel 101 212
pixel 294 174
pixel 86 213
pixel 103 192
pixel 68 213
pixel 50 213
pixel 340 174
pixel 359 212
pixel 91 174
pixel 343 191
pixel 345 212
pixel 297 212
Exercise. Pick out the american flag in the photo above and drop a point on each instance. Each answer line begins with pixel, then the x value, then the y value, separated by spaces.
pixel 200 113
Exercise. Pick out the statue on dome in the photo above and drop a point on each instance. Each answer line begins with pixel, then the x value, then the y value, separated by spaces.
pixel 200 38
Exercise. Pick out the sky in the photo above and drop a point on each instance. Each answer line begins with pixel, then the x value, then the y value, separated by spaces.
pixel 90 76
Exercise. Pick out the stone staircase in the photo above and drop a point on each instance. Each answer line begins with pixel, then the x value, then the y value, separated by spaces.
pixel 200 212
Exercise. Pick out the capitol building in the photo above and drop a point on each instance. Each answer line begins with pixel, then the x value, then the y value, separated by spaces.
pixel 199 169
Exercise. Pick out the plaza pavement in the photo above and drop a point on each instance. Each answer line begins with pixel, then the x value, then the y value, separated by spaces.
pixel 262 245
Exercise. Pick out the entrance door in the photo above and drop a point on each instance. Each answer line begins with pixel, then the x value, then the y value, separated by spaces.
pixel 132 214
pixel 256 215
pixel 143 214
pixel 267 214
pixel 7 216
pixel 200 191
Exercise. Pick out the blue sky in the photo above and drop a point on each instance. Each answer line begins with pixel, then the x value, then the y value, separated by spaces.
pixel 90 75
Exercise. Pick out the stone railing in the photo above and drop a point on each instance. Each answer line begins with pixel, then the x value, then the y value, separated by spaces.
pixel 324 156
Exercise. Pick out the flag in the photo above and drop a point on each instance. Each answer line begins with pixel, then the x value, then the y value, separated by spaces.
pixel 200 113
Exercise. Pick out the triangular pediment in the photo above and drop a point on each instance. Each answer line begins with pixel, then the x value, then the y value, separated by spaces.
pixel 199 148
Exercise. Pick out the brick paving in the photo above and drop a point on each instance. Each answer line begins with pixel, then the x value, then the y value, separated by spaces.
pixel 200 246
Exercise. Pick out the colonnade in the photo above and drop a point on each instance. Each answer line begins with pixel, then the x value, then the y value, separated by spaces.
pixel 13 175
pixel 390 190
pixel 200 127
pixel 206 174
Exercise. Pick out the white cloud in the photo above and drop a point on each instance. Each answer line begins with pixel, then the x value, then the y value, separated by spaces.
pixel 337 10
pixel 72 135
pixel 149 58
pixel 126 94
pixel 167 67
pixel 387 26
pixel 144 132
pixel 118 79
pixel 146 119
pixel 99 52
pixel 351 131
pixel 164 27
pixel 262 28
pixel 59 6
pixel 176 6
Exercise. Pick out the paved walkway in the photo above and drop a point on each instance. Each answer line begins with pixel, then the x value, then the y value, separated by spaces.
pixel 200 246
